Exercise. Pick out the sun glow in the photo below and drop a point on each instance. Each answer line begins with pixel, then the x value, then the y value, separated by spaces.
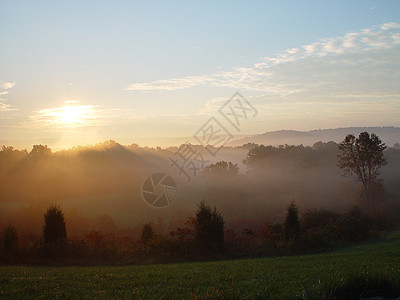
pixel 69 115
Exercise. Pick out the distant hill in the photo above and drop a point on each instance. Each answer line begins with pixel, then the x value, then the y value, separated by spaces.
pixel 389 135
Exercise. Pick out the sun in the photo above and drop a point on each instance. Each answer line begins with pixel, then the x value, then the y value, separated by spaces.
pixel 69 115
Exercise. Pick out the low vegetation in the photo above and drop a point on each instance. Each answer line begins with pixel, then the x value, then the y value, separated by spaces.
pixel 369 269
pixel 203 237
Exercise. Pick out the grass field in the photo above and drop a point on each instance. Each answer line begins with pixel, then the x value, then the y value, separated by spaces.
pixel 275 278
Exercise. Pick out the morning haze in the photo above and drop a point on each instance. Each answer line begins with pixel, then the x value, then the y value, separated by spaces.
pixel 199 150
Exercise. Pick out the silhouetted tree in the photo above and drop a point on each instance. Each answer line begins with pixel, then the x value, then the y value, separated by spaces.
pixel 147 233
pixel 54 229
pixel 10 243
pixel 40 151
pixel 209 228
pixel 222 168
pixel 363 157
pixel 266 156
pixel 292 223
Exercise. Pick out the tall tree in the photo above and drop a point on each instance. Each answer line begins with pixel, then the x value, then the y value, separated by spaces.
pixel 292 223
pixel 10 243
pixel 147 233
pixel 363 157
pixel 54 229
pixel 209 228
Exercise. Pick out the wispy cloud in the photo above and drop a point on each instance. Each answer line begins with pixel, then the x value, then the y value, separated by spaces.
pixel 170 84
pixel 7 85
pixel 5 106
pixel 4 87
pixel 330 62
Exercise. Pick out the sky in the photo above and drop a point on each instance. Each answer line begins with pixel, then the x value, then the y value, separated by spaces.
pixel 154 72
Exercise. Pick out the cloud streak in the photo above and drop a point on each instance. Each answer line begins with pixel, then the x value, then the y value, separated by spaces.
pixel 7 85
pixel 329 62
pixel 4 87
pixel 170 84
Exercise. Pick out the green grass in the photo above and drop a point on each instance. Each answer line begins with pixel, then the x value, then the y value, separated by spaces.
pixel 275 278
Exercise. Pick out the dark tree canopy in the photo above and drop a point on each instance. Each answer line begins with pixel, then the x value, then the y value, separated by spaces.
pixel 262 156
pixel 54 229
pixel 222 168
pixel 40 151
pixel 363 157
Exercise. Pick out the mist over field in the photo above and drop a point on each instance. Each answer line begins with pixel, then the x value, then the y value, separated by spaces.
pixel 100 187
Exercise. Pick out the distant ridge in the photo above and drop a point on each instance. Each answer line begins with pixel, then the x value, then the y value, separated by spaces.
pixel 389 135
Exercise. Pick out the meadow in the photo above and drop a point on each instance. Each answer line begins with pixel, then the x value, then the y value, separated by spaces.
pixel 289 277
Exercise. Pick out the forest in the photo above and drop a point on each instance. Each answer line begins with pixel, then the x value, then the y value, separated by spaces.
pixel 250 200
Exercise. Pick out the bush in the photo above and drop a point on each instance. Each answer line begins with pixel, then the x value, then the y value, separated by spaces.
pixel 271 232
pixel 354 226
pixel 53 252
pixel 313 219
pixel 319 237
pixel 319 227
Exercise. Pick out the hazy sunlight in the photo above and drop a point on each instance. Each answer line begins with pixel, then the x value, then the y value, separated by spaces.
pixel 69 116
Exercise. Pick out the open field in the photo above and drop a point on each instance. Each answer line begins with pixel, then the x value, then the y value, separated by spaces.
pixel 278 278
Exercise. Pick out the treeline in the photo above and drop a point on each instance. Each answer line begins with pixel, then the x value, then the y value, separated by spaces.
pixel 43 175
pixel 247 193
pixel 245 182
pixel 203 236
